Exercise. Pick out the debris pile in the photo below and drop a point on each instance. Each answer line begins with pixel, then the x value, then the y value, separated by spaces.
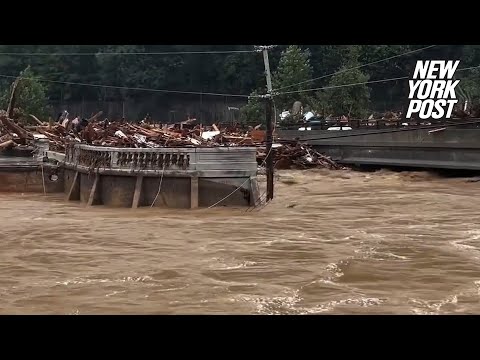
pixel 121 134
pixel 6 140
pixel 288 155
pixel 12 134
pixel 186 134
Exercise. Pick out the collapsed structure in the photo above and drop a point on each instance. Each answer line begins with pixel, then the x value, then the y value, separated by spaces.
pixel 117 163
pixel 183 165
pixel 120 134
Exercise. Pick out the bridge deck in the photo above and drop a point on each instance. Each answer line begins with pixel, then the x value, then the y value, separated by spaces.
pixel 446 149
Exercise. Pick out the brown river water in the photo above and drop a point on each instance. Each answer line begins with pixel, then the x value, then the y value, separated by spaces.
pixel 331 242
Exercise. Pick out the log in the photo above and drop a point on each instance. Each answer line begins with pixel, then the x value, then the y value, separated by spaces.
pixel 11 102
pixel 6 137
pixel 7 145
pixel 10 125
pixel 36 119
pixel 95 116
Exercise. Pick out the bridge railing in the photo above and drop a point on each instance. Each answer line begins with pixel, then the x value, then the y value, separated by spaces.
pixel 365 124
pixel 186 159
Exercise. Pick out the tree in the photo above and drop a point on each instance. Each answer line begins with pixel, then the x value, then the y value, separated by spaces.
pixel 254 110
pixel 31 95
pixel 346 93
pixel 352 100
pixel 468 89
pixel 294 70
pixel 235 73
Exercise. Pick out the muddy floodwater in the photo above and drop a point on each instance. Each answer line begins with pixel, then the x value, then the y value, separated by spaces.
pixel 331 242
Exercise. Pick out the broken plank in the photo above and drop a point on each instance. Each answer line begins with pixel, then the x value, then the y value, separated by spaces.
pixel 7 145
pixel 11 102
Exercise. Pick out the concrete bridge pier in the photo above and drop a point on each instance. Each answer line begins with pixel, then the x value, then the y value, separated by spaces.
pixel 164 177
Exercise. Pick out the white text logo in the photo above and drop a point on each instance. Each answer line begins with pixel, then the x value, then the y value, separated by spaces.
pixel 432 90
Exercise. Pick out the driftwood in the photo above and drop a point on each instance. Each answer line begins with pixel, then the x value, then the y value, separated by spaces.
pixel 95 116
pixel 11 102
pixel 6 134
pixel 295 155
pixel 7 144
pixel 5 117
pixel 287 154
pixel 36 119
pixel 23 135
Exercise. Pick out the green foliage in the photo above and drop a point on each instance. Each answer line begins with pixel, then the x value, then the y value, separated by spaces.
pixel 346 100
pixel 468 89
pixel 31 95
pixel 337 99
pixel 293 70
pixel 239 73
pixel 254 111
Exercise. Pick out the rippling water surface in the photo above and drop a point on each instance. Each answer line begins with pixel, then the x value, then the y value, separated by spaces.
pixel 338 242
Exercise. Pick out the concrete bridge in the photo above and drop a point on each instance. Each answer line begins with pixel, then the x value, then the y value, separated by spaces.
pixel 442 148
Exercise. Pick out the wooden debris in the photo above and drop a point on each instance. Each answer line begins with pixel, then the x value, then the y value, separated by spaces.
pixel 292 154
pixel 7 145
pixel 11 102
pixel 36 119
pixel 120 134
pixel 23 135
pixel 94 117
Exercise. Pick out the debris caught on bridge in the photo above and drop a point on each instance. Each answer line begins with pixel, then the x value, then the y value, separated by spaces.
pixel 187 134
pixel 293 154
pixel 144 135
pixel 14 137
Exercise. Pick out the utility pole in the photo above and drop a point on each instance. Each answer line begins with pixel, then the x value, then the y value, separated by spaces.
pixel 269 121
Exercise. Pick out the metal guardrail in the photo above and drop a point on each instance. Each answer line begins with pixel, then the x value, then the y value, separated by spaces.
pixel 454 156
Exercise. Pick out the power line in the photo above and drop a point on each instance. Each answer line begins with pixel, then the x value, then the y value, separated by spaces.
pixel 344 85
pixel 208 93
pixel 126 87
pixel 469 68
pixel 357 67
pixel 361 83
pixel 127 53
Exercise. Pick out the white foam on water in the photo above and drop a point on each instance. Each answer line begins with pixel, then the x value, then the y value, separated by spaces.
pixel 374 254
pixel 232 283
pixel 331 305
pixel 136 279
pixel 473 250
pixel 426 307
pixel 276 305
pixel 115 293
pixel 459 245
pixel 82 281
pixel 474 234
pixel 334 269
pixel 224 265
pixel 173 288
pixel 288 241
pixel 289 304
